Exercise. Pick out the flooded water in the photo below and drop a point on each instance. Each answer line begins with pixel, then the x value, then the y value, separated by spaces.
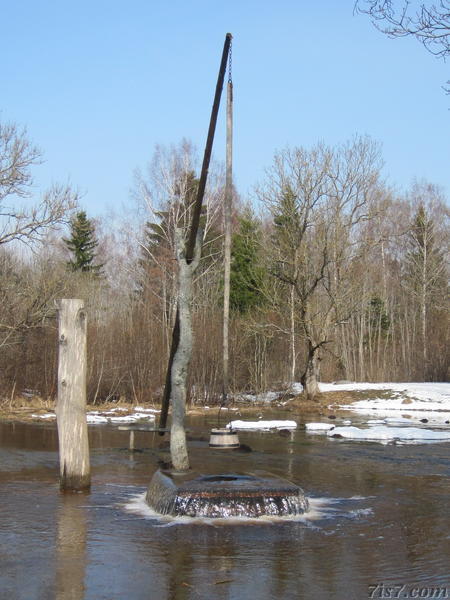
pixel 379 515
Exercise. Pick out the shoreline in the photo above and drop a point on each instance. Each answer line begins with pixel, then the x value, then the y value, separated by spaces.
pixel 328 402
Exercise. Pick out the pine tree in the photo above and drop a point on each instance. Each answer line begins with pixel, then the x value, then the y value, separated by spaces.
pixel 82 244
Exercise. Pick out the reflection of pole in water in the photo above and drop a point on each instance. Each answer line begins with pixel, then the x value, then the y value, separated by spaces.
pixel 181 570
pixel 71 549
pixel 290 450
pixel 192 574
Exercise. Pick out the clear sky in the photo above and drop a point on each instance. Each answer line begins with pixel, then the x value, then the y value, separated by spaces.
pixel 99 83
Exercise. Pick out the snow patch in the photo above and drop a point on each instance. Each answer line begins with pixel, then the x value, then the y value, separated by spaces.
pixel 384 433
pixel 407 397
pixel 262 425
pixel 319 426
pixel 264 398
pixel 96 417
pixel 45 416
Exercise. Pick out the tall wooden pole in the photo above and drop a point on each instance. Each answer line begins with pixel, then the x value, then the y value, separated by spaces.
pixel 195 223
pixel 227 244
pixel 71 404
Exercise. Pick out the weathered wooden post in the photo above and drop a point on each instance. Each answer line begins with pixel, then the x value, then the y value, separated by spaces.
pixel 227 241
pixel 74 462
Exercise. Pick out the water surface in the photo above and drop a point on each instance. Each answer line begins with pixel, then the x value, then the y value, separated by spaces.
pixel 380 514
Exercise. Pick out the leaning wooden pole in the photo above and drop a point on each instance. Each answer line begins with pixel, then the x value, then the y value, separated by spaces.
pixel 74 462
pixel 195 223
pixel 227 242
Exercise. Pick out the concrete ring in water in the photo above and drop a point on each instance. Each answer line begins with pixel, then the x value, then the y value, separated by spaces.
pixel 224 495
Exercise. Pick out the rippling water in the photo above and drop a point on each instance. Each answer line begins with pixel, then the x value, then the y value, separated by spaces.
pixel 379 514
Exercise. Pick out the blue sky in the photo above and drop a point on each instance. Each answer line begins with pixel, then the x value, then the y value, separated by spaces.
pixel 99 83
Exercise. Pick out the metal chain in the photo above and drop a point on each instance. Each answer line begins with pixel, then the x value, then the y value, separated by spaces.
pixel 230 63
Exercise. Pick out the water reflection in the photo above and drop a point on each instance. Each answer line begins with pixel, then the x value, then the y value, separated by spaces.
pixel 71 540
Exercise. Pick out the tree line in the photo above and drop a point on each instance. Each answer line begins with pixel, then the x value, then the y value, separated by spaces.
pixel 334 275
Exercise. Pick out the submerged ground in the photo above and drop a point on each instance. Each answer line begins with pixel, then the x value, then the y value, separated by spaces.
pixel 379 517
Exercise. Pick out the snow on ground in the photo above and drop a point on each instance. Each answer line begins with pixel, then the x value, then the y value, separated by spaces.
pixel 147 410
pixel 398 416
pixel 46 416
pixel 140 414
pixel 96 417
pixel 265 397
pixel 321 427
pixel 385 433
pixel 262 425
pixel 406 397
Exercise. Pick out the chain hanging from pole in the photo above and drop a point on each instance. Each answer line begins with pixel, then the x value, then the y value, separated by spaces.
pixel 230 63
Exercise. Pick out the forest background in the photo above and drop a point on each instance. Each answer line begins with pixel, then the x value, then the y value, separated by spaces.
pixel 334 275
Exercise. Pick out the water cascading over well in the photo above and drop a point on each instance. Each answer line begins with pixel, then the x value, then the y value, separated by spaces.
pixel 224 495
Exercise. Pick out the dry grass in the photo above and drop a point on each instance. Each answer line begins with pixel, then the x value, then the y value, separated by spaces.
pixel 22 408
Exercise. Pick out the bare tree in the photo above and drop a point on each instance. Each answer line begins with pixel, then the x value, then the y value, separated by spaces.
pixel 426 277
pixel 28 289
pixel 27 224
pixel 430 24
pixel 167 191
pixel 318 199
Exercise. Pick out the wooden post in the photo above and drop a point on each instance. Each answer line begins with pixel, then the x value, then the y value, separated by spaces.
pixel 227 245
pixel 71 404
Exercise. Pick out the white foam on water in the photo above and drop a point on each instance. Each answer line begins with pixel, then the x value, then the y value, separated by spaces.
pixel 319 509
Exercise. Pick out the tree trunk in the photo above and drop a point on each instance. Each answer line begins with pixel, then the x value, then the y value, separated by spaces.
pixel 423 311
pixel 182 357
pixel 71 404
pixel 310 377
pixel 292 335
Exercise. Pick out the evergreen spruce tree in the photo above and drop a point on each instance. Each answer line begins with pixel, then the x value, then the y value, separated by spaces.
pixel 378 317
pixel 158 238
pixel 247 273
pixel 159 235
pixel 82 244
